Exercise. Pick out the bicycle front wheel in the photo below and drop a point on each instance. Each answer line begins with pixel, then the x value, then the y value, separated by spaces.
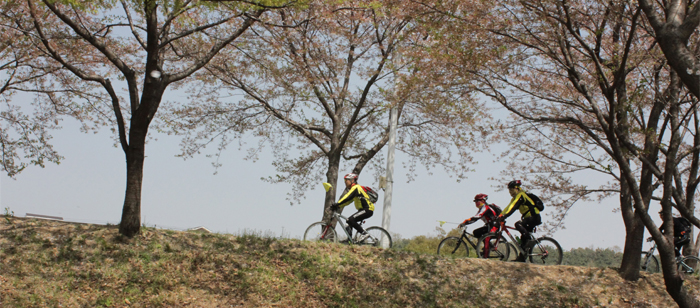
pixel 545 251
pixel 493 246
pixel 453 247
pixel 649 263
pixel 320 232
pixel 513 254
pixel 377 237
pixel 688 265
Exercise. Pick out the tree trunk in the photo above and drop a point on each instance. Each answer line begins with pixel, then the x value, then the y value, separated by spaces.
pixel 672 279
pixel 130 224
pixel 135 155
pixel 332 178
pixel 634 237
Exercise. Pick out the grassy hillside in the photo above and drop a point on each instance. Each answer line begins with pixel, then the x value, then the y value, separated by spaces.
pixel 52 264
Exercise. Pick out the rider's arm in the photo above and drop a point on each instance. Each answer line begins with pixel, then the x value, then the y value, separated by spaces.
pixel 476 217
pixel 514 205
pixel 349 196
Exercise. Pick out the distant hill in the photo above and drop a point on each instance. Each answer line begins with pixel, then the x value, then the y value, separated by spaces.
pixel 52 264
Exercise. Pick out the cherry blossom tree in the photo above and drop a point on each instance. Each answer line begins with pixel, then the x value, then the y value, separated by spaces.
pixel 24 136
pixel 675 25
pixel 590 93
pixel 319 93
pixel 94 49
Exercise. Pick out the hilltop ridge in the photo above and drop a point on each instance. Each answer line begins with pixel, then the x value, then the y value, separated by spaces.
pixel 50 263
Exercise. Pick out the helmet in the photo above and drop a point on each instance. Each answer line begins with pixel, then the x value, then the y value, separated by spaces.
pixel 350 176
pixel 514 184
pixel 480 197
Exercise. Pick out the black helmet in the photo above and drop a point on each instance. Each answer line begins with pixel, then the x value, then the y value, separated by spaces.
pixel 514 184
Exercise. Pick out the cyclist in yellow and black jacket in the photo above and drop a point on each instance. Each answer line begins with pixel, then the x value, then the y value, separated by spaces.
pixel 530 214
pixel 355 192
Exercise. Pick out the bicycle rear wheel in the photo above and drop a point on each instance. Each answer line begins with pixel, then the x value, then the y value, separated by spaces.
pixel 687 263
pixel 320 232
pixel 377 235
pixel 545 251
pixel 651 265
pixel 453 247
pixel 492 248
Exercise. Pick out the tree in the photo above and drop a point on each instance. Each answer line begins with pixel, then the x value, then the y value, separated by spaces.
pixel 319 93
pixel 146 45
pixel 589 86
pixel 580 68
pixel 22 136
pixel 674 23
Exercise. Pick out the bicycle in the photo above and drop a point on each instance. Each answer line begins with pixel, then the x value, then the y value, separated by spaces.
pixel 450 246
pixel 650 263
pixel 544 250
pixel 323 232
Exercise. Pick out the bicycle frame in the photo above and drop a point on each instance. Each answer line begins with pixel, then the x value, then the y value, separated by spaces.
pixel 340 218
pixel 650 254
pixel 465 239
pixel 504 229
pixel 680 261
pixel 513 242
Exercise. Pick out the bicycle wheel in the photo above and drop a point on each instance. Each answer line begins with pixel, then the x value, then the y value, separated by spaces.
pixel 545 251
pixel 513 254
pixel 453 247
pixel 688 264
pixel 320 232
pixel 650 263
pixel 377 235
pixel 497 249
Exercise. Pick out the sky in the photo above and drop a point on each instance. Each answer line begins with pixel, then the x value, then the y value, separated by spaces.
pixel 88 186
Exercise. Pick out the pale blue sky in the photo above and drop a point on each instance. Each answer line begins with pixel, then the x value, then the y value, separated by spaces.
pixel 88 186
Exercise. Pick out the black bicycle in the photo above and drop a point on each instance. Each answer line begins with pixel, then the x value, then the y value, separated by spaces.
pixel 457 246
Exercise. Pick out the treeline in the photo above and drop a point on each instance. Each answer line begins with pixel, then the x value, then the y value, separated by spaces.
pixel 593 257
pixel 589 257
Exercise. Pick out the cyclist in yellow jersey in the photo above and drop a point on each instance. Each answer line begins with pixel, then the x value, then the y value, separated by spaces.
pixel 530 214
pixel 355 192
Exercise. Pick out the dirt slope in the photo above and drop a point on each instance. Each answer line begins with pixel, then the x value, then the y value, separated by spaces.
pixel 57 264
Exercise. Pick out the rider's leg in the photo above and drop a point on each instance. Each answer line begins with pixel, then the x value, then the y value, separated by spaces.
pixel 525 226
pixel 679 241
pixel 359 216
pixel 478 232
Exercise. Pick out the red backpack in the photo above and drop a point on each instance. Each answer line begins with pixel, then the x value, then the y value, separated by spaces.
pixel 373 195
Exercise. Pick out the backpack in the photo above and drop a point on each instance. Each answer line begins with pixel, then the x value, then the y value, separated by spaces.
pixel 373 195
pixel 539 205
pixel 495 209
pixel 685 224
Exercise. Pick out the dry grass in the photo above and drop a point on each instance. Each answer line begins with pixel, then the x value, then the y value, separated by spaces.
pixel 52 264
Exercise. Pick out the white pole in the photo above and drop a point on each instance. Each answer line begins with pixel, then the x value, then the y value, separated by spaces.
pixel 386 215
